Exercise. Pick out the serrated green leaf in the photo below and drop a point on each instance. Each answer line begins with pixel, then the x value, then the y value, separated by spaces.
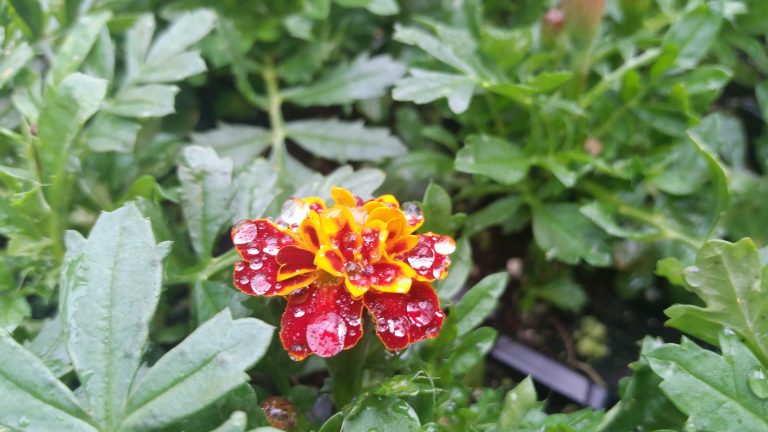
pixel 362 182
pixel 175 68
pixel 13 61
pixel 111 133
pixel 31 398
pixel 185 31
pixel 152 100
pixel 694 35
pixel 492 157
pixel 437 48
pixel 211 297
pixel 206 365
pixel 563 233
pixel 78 43
pixel 471 349
pixel 712 389
pixel 364 78
pixel 137 42
pixel 31 15
pixel 478 303
pixel 50 346
pixel 14 309
pixel 461 264
pixel 384 414
pixel 424 86
pixel 727 277
pixel 112 288
pixel 344 141
pixel 255 190
pixel 241 143
pixel 206 194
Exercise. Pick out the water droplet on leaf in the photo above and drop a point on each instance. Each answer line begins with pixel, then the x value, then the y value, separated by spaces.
pixel 758 383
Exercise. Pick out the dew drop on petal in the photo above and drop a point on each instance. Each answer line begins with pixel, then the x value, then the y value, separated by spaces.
pixel 271 247
pixel 325 336
pixel 413 213
pixel 243 280
pixel 256 265
pixel 422 257
pixel 445 245
pixel 239 266
pixel 245 233
pixel 421 312
pixel 260 285
pixel 252 251
pixel 294 211
pixel 299 313
pixel 396 327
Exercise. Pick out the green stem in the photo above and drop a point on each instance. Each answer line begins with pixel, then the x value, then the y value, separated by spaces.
pixel 207 270
pixel 346 370
pixel 275 100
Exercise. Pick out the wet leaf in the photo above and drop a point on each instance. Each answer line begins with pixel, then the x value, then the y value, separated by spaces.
pixel 478 303
pixel 383 414
pixel 492 157
pixel 424 86
pixel 564 233
pixel 344 141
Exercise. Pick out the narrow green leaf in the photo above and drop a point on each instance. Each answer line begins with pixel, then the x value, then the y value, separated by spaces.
pixel 604 216
pixel 112 288
pixel 517 404
pixel 761 93
pixel 175 68
pixel 565 234
pixel 461 265
pixel 185 31
pixel 101 60
pixel 425 86
pixel 727 277
pixel 241 143
pixel 30 14
pixel 31 398
pixel 12 62
pixel 14 309
pixel 344 141
pixel 137 41
pixel 712 389
pixel 471 349
pixel 364 78
pixel 436 48
pixel 718 177
pixel 694 35
pixel 211 297
pixel 111 133
pixel 478 303
pixel 438 211
pixel 206 365
pixel 77 44
pixel 152 100
pixel 384 414
pixel 236 423
pixel 492 157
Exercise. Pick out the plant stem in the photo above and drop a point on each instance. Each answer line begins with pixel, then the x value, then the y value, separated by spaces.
pixel 206 270
pixel 346 370
pixel 275 100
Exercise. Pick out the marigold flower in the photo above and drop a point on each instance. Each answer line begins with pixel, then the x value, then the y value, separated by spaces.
pixel 331 262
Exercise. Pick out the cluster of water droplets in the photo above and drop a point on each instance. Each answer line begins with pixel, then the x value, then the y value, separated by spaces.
pixel 412 212
pixel 245 233
pixel 293 212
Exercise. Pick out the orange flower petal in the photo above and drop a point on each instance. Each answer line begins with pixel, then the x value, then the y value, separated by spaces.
pixel 393 277
pixel 329 260
pixel 343 197
pixel 293 261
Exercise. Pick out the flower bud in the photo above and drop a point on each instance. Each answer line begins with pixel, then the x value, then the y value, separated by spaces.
pixel 280 412
pixel 582 17
pixel 552 24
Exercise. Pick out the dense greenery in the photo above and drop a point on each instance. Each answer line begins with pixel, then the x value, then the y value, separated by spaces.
pixel 623 139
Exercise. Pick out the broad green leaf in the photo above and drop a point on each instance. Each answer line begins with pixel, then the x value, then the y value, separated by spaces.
pixel 299 26
pixel 725 135
pixel 14 309
pixel 384 414
pixel 712 389
pixel 604 216
pixel 152 100
pixel 471 349
pixel 185 31
pixel 111 133
pixel 206 194
pixel 31 15
pixel 694 35
pixel 562 292
pixel 344 141
pixel 517 404
pixel 727 277
pixel 12 62
pixel 438 211
pixel 175 68
pixel 424 86
pixel 65 109
pixel 137 41
pixel 563 233
pixel 236 423
pixel 364 78
pixel 211 297
pixel 436 48
pixel 496 213
pixel 241 143
pixel 255 190
pixel 31 398
pixel 317 9
pixel 492 157
pixel 101 60
pixel 642 403
pixel 205 366
pixel 671 269
pixel 77 44
pixel 112 284
pixel 50 346
pixel 461 264
pixel 478 303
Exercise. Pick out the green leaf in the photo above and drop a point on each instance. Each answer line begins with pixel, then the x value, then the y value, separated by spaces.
pixel 492 157
pixel 31 398
pixel 236 423
pixel 205 366
pixel 718 177
pixel 471 349
pixel 364 78
pixel 378 7
pixel 565 234
pixel 496 213
pixel 30 14
pixel 438 211
pixel 14 309
pixel 437 48
pixel 112 283
pixel 671 269
pixel 65 110
pixel 206 194
pixel 111 133
pixel 562 292
pixel 344 141
pixel 101 60
pixel 728 279
pixel 642 403
pixel 548 81
pixel 12 62
pixel 694 35
pixel 761 93
pixel 424 86
pixel 517 404
pixel 50 346
pixel 384 414
pixel 175 68
pixel 478 303
pixel 137 42
pixel 152 100
pixel 604 216
pixel 185 31
pixel 241 143
pixel 211 297
pixel 255 190
pixel 712 389
pixel 362 182
pixel 77 44
pixel 461 264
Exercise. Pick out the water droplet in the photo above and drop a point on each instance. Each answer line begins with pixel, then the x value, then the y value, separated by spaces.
pixel 271 247
pixel 445 245
pixel 758 383
pixel 243 280
pixel 256 265
pixel 437 272
pixel 23 421
pixel 326 336
pixel 422 257
pixel 260 285
pixel 729 331
pixel 294 211
pixel 239 266
pixel 412 212
pixel 299 313
pixel 396 327
pixel 252 251
pixel 421 313
pixel 358 214
pixel 246 232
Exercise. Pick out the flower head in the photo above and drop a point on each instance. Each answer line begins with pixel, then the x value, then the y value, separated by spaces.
pixel 331 262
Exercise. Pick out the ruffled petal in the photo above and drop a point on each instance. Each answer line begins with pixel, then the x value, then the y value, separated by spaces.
pixel 258 241
pixel 329 260
pixel 294 261
pixel 321 320
pixel 343 197
pixel 393 277
pixel 402 319
pixel 429 258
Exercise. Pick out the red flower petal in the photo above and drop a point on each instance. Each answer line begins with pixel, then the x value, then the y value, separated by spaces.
pixel 429 258
pixel 322 320
pixel 258 241
pixel 402 319
pixel 294 261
